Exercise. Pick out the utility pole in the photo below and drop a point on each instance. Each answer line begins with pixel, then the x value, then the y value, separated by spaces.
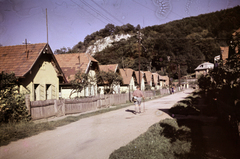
pixel 139 43
pixel 47 25
pixel 179 76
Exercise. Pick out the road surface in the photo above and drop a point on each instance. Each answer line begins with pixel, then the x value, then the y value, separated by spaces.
pixel 94 137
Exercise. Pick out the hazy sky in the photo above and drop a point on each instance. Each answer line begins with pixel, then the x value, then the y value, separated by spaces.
pixel 70 21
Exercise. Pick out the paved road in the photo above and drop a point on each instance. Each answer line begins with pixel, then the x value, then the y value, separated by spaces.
pixel 94 137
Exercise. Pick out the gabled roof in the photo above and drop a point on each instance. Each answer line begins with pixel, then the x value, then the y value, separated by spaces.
pixel 73 62
pixel 141 76
pixel 204 66
pixel 20 60
pixel 148 76
pixel 127 74
pixel 164 78
pixel 110 67
pixel 224 51
pixel 156 78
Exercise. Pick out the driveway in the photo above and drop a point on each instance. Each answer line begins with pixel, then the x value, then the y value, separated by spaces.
pixel 95 137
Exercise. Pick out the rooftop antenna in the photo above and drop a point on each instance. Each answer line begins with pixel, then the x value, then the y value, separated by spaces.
pixel 47 25
pixel 26 51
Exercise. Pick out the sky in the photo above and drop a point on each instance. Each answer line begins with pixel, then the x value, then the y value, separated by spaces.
pixel 70 21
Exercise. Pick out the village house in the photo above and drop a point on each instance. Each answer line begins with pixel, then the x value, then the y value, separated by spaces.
pixel 164 81
pixel 104 85
pixel 149 78
pixel 227 51
pixel 142 79
pixel 129 80
pixel 203 69
pixel 36 67
pixel 71 64
pixel 156 81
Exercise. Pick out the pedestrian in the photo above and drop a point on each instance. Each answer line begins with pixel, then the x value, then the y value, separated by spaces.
pixel 138 95
pixel 172 90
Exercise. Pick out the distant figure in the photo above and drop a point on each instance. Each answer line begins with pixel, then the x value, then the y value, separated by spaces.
pixel 172 90
pixel 138 95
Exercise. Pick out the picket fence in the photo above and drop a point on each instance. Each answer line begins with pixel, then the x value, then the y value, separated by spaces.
pixel 49 108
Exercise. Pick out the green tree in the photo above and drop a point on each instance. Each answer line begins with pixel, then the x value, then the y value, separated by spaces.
pixel 109 79
pixel 12 103
pixel 81 81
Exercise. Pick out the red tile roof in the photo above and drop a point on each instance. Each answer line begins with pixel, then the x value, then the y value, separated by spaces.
pixel 224 51
pixel 156 78
pixel 148 76
pixel 110 67
pixel 137 76
pixel 127 74
pixel 15 59
pixel 73 62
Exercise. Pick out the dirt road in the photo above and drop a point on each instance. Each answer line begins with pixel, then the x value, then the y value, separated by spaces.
pixel 95 137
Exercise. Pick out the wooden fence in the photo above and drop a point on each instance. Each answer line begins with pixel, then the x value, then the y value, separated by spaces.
pixel 53 107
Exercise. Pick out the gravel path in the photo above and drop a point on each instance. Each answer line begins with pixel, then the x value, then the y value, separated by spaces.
pixel 95 137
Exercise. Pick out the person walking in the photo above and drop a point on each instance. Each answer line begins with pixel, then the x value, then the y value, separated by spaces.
pixel 138 95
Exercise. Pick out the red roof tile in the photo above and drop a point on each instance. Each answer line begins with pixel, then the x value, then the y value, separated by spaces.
pixel 73 62
pixel 156 78
pixel 127 74
pixel 15 59
pixel 224 51
pixel 137 76
pixel 110 67
pixel 148 75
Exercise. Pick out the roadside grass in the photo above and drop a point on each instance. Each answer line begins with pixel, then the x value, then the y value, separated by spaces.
pixel 162 140
pixel 15 131
pixel 170 138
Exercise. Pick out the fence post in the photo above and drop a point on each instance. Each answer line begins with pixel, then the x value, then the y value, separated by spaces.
pixel 28 103
pixel 55 107
pixel 63 107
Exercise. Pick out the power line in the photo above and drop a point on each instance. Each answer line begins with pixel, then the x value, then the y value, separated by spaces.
pixel 96 11
pixel 108 12
pixel 88 12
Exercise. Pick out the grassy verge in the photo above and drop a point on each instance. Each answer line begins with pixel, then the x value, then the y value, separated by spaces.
pixel 15 131
pixel 162 140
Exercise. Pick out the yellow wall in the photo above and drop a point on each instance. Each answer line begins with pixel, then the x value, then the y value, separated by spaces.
pixel 42 80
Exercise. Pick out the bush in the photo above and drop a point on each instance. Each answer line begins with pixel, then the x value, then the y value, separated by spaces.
pixel 12 103
pixel 162 140
pixel 184 109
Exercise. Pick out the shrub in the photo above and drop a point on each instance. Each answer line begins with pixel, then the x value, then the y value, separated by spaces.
pixel 184 109
pixel 12 103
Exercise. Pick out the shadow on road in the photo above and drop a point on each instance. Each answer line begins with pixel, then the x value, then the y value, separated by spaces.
pixel 131 111
pixel 210 139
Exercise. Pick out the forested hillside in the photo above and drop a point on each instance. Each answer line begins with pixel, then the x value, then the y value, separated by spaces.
pixel 188 42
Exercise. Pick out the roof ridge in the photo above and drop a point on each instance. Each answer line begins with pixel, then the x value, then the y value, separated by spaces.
pixel 23 44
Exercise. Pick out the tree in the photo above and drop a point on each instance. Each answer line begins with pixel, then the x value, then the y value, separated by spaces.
pixel 81 81
pixel 12 103
pixel 109 80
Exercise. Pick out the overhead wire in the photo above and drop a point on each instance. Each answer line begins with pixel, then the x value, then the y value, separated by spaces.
pixel 107 12
pixel 88 12
pixel 96 11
